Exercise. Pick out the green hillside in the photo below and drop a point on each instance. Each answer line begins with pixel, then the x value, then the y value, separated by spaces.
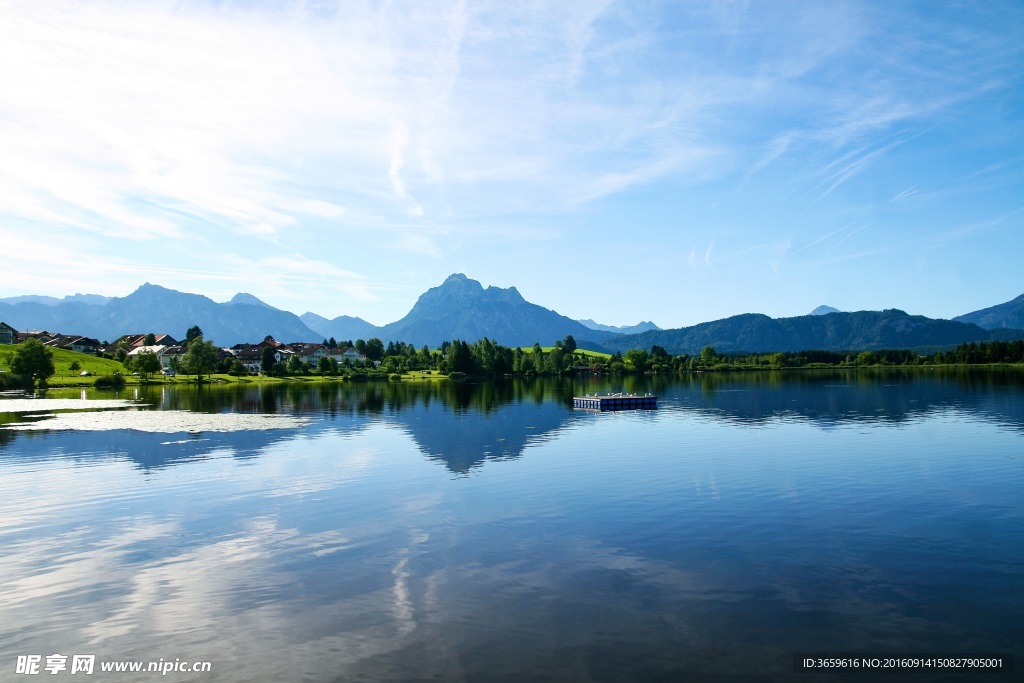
pixel 62 360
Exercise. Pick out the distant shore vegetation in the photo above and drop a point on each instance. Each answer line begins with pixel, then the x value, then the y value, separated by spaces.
pixel 30 364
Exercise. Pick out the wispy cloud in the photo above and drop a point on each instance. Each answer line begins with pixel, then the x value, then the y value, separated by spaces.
pixel 364 134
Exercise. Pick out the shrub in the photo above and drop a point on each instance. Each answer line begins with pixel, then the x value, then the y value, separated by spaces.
pixel 9 380
pixel 112 382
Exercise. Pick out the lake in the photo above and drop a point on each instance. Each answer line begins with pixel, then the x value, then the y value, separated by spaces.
pixel 490 532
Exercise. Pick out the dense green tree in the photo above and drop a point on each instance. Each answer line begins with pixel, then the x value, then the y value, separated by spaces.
pixel 569 345
pixel 268 360
pixel 224 363
pixel 637 359
pixel 146 364
pixel 149 339
pixel 460 359
pixel 374 349
pixel 75 366
pixel 192 333
pixel 327 365
pixel 503 361
pixel 553 361
pixel 708 355
pixel 200 358
pixel 296 366
pixel 34 360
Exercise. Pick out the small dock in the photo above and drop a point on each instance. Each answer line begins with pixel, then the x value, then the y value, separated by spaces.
pixel 615 402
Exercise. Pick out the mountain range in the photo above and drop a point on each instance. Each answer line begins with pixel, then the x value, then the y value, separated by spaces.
pixel 461 308
pixel 858 331
pixel 623 329
pixel 1010 314
pixel 152 308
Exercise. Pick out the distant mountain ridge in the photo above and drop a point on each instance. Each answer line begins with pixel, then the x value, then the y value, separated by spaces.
pixel 860 331
pixel 90 299
pixel 1009 314
pixel 249 299
pixel 643 326
pixel 152 308
pixel 342 328
pixel 824 310
pixel 461 308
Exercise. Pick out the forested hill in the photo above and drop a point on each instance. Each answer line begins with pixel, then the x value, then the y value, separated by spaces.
pixel 1010 314
pixel 862 331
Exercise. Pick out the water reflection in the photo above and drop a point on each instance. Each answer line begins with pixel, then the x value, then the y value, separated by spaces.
pixel 464 424
pixel 707 540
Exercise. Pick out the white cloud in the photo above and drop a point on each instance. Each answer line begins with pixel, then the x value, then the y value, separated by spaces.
pixel 353 134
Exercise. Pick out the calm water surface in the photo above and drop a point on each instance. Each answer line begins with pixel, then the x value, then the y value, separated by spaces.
pixel 481 532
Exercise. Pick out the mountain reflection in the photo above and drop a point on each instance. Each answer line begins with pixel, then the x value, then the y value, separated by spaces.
pixel 462 425
pixel 833 398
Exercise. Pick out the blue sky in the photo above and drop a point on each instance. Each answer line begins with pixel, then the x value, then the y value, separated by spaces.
pixel 676 162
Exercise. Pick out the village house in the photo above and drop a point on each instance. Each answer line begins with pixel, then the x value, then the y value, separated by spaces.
pixel 75 342
pixel 341 354
pixel 137 340
pixel 41 335
pixel 251 356
pixel 165 353
pixel 171 352
pixel 8 335
pixel 85 345
pixel 309 353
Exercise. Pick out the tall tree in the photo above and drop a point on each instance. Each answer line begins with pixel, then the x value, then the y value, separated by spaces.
pixel 193 333
pixel 708 355
pixel 200 358
pixel 637 359
pixel 268 360
pixel 34 360
pixel 374 349
pixel 146 364
pixel 296 366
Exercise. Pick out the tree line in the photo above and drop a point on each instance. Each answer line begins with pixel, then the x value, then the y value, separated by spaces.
pixel 487 358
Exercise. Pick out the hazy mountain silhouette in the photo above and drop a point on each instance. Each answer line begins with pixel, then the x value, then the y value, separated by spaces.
pixel 623 329
pixel 1008 315
pixel 860 331
pixel 249 299
pixel 344 327
pixel 91 299
pixel 152 308
pixel 461 308
pixel 824 310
